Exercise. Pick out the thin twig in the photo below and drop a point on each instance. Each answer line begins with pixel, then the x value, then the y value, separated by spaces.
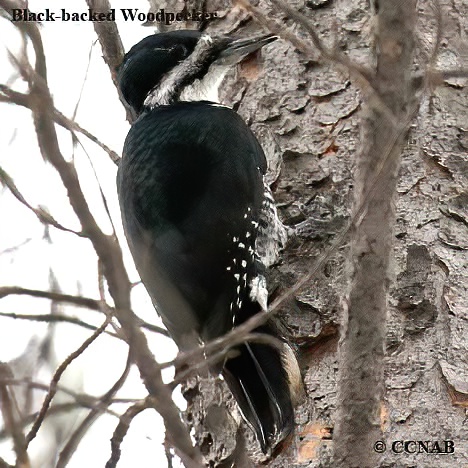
pixel 150 327
pixel 101 191
pixel 109 252
pixel 122 429
pixel 104 402
pixel 84 81
pixel 109 38
pixel 197 359
pixel 58 374
pixel 43 216
pixel 15 248
pixel 4 464
pixel 8 95
pixel 53 296
pixel 82 398
pixel 53 318
pixel 112 48
pixel 66 408
pixel 79 301
pixel 9 411
pixel 363 74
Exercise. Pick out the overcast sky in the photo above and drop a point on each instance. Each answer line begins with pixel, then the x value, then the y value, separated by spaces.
pixel 68 46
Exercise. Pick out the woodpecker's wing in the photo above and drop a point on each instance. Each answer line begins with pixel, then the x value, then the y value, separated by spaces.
pixel 191 190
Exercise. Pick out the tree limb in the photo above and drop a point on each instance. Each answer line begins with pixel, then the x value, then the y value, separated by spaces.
pixel 53 296
pixel 8 95
pixel 104 402
pixel 362 349
pixel 9 412
pixel 58 374
pixel 109 253
pixel 112 48
pixel 122 429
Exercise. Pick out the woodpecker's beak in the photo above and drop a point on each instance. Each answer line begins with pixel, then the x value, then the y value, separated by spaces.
pixel 240 48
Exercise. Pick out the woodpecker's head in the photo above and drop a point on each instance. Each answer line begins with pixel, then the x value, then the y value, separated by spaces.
pixel 180 66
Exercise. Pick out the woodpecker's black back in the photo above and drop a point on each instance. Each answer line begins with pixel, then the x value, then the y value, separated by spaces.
pixel 193 205
pixel 185 201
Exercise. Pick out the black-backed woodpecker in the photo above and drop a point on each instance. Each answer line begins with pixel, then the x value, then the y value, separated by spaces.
pixel 199 218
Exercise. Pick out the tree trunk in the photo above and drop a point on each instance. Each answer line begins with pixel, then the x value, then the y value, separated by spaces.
pixel 308 119
pixel 385 123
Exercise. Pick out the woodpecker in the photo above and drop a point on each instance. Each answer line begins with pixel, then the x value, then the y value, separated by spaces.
pixel 200 220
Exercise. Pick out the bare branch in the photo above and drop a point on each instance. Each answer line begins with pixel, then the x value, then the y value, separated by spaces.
pixel 53 318
pixel 109 38
pixel 362 350
pixel 362 74
pixel 109 252
pixel 81 398
pixel 433 78
pixel 84 82
pixel 9 410
pixel 58 374
pixel 103 405
pixel 151 327
pixel 446 74
pixel 203 357
pixel 4 464
pixel 14 248
pixel 112 48
pixel 73 126
pixel 43 216
pixel 79 301
pixel 54 410
pixel 122 429
pixel 10 96
pixel 331 55
pixel 58 297
pixel 98 182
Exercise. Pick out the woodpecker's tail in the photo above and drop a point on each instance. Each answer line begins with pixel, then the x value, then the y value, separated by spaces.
pixel 264 380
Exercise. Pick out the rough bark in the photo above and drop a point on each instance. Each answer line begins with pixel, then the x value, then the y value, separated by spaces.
pixel 385 121
pixel 307 116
